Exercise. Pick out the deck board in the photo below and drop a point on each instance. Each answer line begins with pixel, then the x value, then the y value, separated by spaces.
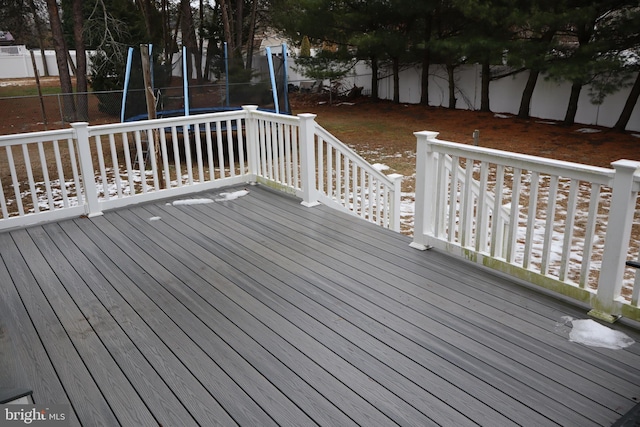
pixel 547 395
pixel 485 289
pixel 551 391
pixel 258 311
pixel 269 290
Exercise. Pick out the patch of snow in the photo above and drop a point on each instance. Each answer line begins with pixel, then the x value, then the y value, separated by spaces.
pixel 155 218
pixel 546 122
pixel 588 130
pixel 593 334
pixel 637 135
pixel 501 116
pixel 232 196
pixel 191 202
pixel 380 167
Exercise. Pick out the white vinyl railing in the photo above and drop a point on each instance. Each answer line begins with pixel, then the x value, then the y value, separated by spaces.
pixel 39 177
pixel 564 226
pixel 346 177
pixel 47 176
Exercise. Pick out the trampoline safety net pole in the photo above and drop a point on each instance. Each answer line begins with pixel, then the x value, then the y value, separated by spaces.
pixel 185 82
pixel 127 76
pixel 274 89
pixel 153 86
pixel 285 79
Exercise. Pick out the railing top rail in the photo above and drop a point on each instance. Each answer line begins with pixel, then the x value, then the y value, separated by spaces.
pixel 279 118
pixel 166 122
pixel 31 137
pixel 578 171
pixel 355 157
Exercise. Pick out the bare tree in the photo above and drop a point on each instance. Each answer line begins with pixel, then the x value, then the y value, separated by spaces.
pixel 39 26
pixel 106 32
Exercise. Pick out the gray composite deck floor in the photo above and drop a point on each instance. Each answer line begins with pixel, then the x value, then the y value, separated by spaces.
pixel 259 311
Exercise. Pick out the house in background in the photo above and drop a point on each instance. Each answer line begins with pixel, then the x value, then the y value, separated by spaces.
pixel 6 39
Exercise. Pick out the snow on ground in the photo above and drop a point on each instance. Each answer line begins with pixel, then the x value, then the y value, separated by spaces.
pixel 380 167
pixel 588 130
pixel 593 334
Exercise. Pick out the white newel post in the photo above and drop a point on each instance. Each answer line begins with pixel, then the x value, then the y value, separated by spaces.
pixel 424 188
pixel 605 304
pixel 396 178
pixel 308 160
pixel 252 140
pixel 92 206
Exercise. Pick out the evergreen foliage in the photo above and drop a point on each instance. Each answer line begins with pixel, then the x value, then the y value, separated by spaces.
pixel 585 42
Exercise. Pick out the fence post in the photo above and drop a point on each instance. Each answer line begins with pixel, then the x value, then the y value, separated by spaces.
pixel 251 137
pixel 92 206
pixel 308 160
pixel 396 178
pixel 605 304
pixel 424 190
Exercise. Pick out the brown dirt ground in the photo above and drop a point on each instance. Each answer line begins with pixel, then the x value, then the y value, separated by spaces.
pixel 385 126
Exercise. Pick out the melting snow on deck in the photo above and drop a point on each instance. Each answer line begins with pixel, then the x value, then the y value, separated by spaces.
pixel 191 202
pixel 232 196
pixel 593 334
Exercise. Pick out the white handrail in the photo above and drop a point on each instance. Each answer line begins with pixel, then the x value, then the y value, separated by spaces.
pixel 367 192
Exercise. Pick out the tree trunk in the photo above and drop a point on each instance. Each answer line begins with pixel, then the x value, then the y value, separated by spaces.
pixel 166 33
pixel 81 59
pixel 61 59
pixel 527 94
pixel 41 36
pixel 452 86
pixel 632 100
pixel 251 35
pixel 226 25
pixel 375 96
pixel 189 39
pixel 238 26
pixel 209 59
pixel 486 79
pixel 572 108
pixel 201 30
pixel 145 8
pixel 396 80
pixel 174 39
pixel 426 62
